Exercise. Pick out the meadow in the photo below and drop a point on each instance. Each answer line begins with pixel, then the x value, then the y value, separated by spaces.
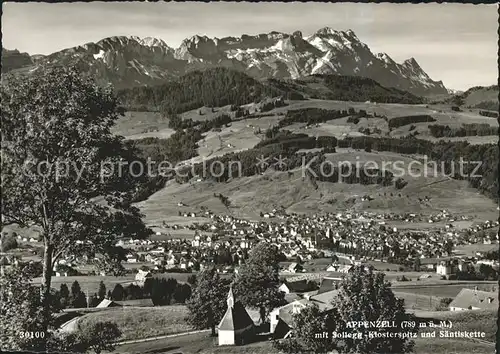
pixel 89 283
pixel 481 321
pixel 137 323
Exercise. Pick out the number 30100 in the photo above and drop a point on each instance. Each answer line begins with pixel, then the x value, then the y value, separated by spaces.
pixel 32 335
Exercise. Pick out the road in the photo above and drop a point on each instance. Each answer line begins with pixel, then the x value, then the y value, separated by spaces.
pixel 149 339
pixel 70 326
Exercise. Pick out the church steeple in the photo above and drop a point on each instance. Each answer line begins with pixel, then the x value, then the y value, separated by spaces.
pixel 230 298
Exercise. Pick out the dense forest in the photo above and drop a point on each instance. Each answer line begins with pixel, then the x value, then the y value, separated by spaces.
pixel 288 146
pixel 474 129
pixel 318 115
pixel 247 159
pixel 214 87
pixel 345 88
pixel 443 151
pixel 405 120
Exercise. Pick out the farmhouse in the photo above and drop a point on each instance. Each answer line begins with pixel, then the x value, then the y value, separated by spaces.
pixel 236 327
pixel 282 317
pixel 295 287
pixel 469 299
pixel 444 268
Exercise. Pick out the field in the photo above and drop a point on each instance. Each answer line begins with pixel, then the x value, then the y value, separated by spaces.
pixel 138 125
pixel 451 346
pixel 441 290
pixel 89 283
pixel 250 195
pixel 136 323
pixel 192 343
pixel 481 321
pixel 240 135
pixel 339 128
pixel 418 302
pixel 202 343
pixel 470 250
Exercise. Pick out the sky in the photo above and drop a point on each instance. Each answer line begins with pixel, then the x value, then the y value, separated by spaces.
pixel 455 43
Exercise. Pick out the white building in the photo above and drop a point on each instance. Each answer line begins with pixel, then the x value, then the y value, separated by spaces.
pixel 236 327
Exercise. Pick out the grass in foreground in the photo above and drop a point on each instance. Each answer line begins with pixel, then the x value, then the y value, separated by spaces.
pixel 140 323
pixel 482 321
pixel 450 346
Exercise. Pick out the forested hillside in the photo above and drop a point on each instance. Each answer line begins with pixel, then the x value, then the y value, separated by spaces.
pixel 217 87
pixel 212 87
pixel 345 88
pixel 477 97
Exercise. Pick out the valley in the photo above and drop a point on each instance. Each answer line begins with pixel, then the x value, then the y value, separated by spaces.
pixel 275 185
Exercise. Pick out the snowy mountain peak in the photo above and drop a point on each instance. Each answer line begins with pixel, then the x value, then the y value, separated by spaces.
pixel 325 31
pixel 351 33
pixel 348 35
pixel 385 58
pixel 153 42
pixel 276 35
pixel 132 61
pixel 116 40
pixel 412 63
pixel 197 39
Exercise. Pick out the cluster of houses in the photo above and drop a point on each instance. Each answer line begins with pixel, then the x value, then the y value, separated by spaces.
pixel 238 326
pixel 225 240
pixel 305 237
pixel 460 264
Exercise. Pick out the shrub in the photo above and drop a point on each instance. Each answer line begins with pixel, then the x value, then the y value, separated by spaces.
pixel 9 242
pixel 400 183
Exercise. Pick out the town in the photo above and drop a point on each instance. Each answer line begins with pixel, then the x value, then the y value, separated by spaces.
pixel 256 178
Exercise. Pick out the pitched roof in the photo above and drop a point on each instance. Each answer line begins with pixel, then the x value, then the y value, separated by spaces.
pixel 137 302
pixel 291 297
pixel 326 297
pixel 298 286
pixel 107 303
pixel 235 318
pixel 328 284
pixel 483 300
pixel 285 313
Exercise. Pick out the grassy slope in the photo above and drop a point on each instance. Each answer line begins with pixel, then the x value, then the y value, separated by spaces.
pixel 203 344
pixel 250 195
pixel 450 346
pixel 297 195
pixel 475 96
pixel 135 124
pixel 482 321
pixel 136 323
pixel 89 283
pixel 341 87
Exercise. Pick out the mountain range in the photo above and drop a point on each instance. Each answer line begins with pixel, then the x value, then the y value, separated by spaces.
pixel 131 61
